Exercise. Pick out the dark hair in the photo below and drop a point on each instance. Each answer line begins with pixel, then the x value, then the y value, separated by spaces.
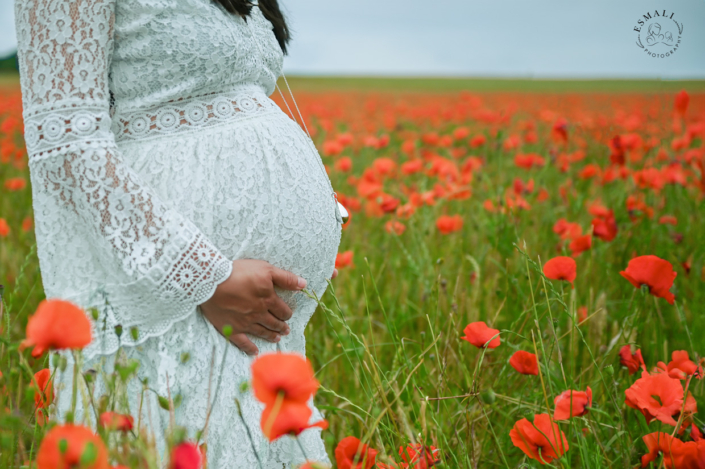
pixel 270 10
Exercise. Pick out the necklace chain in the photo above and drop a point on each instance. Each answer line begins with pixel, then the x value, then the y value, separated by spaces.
pixel 338 205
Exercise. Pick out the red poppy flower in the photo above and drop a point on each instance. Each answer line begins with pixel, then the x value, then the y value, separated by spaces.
pixel 680 104
pixel 393 226
pixel 560 268
pixel 286 373
pixel 580 244
pixel 654 272
pixel 186 456
pixel 605 228
pixel 313 465
pixel 543 440
pixel 681 366
pixel 74 451
pixel 658 396
pixel 115 421
pixel 57 324
pixel 632 361
pixel 15 184
pixel 524 363
pixel 668 220
pixel 418 456
pixel 676 453
pixel 351 453
pixel 344 259
pixel 478 334
pixel 43 394
pixel 582 314
pixel 572 404
pixel 290 419
pixel 447 224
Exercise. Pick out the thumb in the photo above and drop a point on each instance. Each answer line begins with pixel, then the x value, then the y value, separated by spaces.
pixel 287 280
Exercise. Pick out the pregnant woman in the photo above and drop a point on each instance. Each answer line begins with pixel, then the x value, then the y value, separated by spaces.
pixel 171 194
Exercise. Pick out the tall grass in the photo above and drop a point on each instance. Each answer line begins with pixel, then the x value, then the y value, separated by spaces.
pixel 385 341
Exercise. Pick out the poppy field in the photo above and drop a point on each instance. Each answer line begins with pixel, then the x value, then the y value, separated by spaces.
pixel 521 284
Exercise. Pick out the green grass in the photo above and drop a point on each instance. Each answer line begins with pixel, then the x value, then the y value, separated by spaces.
pixel 492 85
pixel 372 84
pixel 385 341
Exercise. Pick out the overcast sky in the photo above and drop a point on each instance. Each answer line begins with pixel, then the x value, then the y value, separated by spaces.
pixel 521 38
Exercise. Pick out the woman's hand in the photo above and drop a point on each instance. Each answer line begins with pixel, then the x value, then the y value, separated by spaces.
pixel 247 302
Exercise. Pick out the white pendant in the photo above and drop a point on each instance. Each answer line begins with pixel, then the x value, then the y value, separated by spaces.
pixel 341 214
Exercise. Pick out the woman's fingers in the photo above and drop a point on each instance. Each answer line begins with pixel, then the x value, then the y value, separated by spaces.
pixel 335 273
pixel 287 280
pixel 242 342
pixel 279 308
pixel 269 321
pixel 264 333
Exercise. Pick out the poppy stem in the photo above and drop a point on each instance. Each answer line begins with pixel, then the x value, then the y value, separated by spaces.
pixel 301 447
pixel 247 430
pixel 74 393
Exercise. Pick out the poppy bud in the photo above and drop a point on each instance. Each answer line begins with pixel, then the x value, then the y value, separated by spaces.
pixel 227 330
pixel 95 314
pixel 118 330
pixel 134 332
pixel 487 397
pixel 609 370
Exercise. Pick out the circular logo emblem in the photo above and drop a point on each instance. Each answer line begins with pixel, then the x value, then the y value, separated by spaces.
pixel 658 33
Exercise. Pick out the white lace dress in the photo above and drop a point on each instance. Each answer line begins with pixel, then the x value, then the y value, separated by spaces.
pixel 157 158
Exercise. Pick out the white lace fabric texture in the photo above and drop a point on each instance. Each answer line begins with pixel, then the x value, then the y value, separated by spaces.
pixel 141 203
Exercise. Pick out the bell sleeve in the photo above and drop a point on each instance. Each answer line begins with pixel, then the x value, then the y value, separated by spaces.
pixel 157 265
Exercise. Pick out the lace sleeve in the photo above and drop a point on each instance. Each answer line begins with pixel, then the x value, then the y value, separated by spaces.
pixel 64 51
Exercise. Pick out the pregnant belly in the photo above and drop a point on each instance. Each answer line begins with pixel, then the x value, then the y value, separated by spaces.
pixel 256 189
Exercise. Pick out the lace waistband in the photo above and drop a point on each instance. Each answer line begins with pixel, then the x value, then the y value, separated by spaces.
pixel 192 113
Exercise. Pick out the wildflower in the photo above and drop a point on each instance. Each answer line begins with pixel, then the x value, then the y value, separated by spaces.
pixel 572 404
pixel 344 164
pixel 287 373
pixel 4 228
pixel 43 395
pixel 15 184
pixel 344 259
pixel 478 334
pixel 580 244
pixel 393 226
pixel 447 224
pixel 680 104
pixel 605 227
pixel 56 325
pixel 524 363
pixel 186 456
pixel 67 446
pixel 560 268
pixel 115 421
pixel 668 220
pixel 632 361
pixel 543 440
pixel 681 366
pixel 658 396
pixel 654 272
pixel 582 314
pixel 351 453
pixel 288 418
pixel 676 453
pixel 418 456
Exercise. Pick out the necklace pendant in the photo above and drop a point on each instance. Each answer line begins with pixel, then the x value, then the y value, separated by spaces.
pixel 341 214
